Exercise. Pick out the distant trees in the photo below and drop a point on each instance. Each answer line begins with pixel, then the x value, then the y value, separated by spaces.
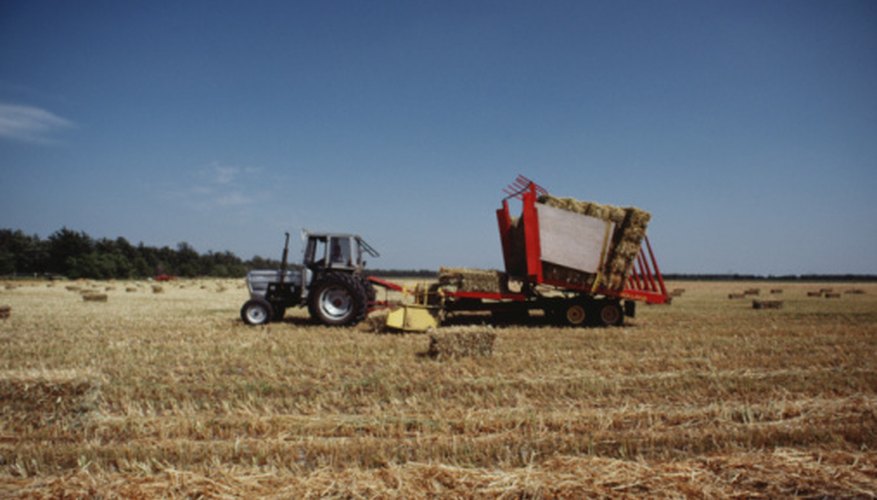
pixel 21 253
pixel 75 254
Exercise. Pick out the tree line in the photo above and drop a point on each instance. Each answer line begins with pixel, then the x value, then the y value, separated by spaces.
pixel 75 254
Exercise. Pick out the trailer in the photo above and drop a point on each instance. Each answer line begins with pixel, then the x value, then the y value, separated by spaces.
pixel 554 262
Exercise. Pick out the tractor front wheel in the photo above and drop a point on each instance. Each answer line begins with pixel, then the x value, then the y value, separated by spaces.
pixel 256 312
pixel 338 300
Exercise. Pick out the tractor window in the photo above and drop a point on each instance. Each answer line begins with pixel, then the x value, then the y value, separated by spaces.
pixel 340 251
pixel 316 253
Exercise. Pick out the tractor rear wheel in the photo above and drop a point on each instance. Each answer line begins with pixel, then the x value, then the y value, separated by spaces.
pixel 257 312
pixel 338 300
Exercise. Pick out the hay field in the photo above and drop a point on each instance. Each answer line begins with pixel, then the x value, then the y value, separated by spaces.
pixel 169 394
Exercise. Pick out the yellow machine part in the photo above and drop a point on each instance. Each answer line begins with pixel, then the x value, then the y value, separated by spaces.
pixel 413 318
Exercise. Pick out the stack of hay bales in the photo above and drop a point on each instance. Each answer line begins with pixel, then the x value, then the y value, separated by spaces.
pixel 38 399
pixel 473 280
pixel 460 341
pixel 630 229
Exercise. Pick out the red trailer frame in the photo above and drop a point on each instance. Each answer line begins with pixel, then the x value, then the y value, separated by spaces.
pixel 575 307
pixel 644 283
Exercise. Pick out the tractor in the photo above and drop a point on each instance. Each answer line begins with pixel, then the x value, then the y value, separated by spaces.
pixel 329 282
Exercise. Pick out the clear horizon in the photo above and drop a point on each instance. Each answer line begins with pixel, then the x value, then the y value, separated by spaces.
pixel 747 129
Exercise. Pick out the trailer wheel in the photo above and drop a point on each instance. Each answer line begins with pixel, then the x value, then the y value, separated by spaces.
pixel 609 313
pixel 256 312
pixel 338 300
pixel 574 314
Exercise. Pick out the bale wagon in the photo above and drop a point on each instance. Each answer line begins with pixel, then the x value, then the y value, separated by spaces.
pixel 576 262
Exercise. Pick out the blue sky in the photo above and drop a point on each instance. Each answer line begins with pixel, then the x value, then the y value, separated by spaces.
pixel 748 129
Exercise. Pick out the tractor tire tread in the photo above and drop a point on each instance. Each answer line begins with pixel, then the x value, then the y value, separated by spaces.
pixel 353 286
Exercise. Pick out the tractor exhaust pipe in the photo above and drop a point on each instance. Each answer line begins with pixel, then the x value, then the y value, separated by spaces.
pixel 283 263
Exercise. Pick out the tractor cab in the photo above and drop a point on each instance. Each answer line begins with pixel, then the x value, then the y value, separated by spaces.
pixel 338 252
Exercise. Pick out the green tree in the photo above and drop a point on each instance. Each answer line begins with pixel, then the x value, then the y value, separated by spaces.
pixel 66 245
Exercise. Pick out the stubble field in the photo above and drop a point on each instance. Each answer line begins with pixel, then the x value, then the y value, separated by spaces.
pixel 170 394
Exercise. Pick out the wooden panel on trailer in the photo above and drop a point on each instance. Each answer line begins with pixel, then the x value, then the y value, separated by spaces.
pixel 572 240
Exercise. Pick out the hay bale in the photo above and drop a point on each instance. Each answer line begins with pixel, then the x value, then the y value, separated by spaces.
pixel 38 399
pixel 855 291
pixel 5 312
pixel 736 296
pixel 130 289
pixel 562 274
pixel 832 295
pixel 767 304
pixel 775 291
pixel 95 297
pixel 603 212
pixel 630 229
pixel 814 294
pixel 157 289
pixel 473 280
pixel 72 288
pixel 460 342
pixel 752 291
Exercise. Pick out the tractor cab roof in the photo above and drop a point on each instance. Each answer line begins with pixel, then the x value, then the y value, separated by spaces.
pixel 363 245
